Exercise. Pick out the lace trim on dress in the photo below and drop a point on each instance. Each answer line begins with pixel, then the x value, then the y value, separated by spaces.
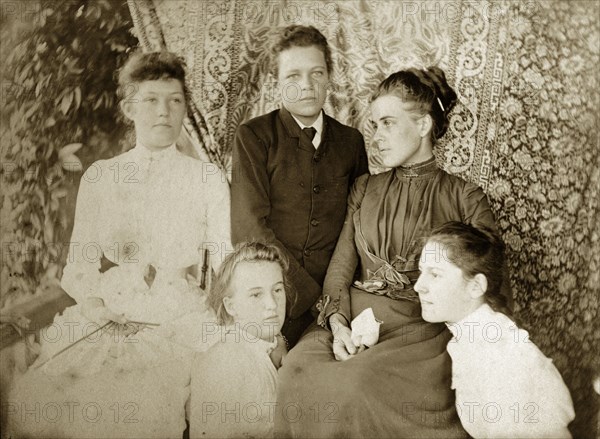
pixel 416 170
pixel 326 308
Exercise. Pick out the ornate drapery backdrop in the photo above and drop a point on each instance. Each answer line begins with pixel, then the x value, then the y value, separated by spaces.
pixel 525 128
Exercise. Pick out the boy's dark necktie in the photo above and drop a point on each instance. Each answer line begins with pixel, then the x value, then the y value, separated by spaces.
pixel 310 132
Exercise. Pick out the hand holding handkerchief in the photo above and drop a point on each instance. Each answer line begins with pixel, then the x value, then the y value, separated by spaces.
pixel 365 328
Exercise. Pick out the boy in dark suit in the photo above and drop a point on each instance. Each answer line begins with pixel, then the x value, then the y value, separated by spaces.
pixel 293 169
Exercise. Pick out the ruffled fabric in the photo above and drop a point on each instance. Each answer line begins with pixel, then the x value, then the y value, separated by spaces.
pixel 147 224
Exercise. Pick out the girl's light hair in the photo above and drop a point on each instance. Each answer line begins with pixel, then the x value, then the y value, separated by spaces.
pixel 245 252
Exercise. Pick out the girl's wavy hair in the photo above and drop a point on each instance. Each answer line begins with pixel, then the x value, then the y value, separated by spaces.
pixel 427 90
pixel 476 250
pixel 245 252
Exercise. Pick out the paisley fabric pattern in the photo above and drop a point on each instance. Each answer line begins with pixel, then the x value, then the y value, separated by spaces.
pixel 525 127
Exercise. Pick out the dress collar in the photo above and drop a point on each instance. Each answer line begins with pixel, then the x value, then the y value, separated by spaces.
pixel 144 153
pixel 235 332
pixel 477 319
pixel 423 169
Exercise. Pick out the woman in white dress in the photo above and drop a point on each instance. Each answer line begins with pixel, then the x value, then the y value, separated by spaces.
pixel 145 223
pixel 505 386
pixel 234 383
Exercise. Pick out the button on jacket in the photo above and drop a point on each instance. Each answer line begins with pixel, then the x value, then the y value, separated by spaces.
pixel 286 192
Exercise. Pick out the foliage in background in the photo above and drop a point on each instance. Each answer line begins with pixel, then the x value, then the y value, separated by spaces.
pixel 58 98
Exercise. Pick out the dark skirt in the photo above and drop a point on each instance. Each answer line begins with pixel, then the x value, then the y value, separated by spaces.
pixel 400 388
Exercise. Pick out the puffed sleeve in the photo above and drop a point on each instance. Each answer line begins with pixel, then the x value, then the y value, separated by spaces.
pixel 81 275
pixel 476 208
pixel 340 274
pixel 504 401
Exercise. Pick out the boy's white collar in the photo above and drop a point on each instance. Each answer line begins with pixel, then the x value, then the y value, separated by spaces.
pixel 317 124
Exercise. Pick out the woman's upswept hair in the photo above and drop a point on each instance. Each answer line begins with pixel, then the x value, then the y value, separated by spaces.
pixel 150 66
pixel 244 252
pixel 427 90
pixel 475 250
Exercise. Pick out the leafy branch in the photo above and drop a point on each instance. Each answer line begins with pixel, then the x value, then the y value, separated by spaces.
pixel 59 114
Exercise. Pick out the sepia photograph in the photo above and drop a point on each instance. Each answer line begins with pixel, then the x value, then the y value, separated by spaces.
pixel 299 219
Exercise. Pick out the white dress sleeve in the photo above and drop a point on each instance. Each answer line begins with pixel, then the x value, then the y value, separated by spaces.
pixel 81 275
pixel 515 392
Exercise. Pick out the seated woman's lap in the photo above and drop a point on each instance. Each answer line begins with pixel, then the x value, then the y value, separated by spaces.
pixel 398 388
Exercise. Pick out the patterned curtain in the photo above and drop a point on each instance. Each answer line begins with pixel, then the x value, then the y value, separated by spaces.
pixel 525 128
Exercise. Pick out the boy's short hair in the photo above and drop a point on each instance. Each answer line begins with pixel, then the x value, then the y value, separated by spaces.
pixel 150 66
pixel 299 36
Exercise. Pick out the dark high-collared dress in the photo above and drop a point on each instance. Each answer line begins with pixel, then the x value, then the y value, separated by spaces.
pixel 399 388
pixel 286 192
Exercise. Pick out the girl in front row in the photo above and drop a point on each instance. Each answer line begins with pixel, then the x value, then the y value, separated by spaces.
pixel 234 383
pixel 505 386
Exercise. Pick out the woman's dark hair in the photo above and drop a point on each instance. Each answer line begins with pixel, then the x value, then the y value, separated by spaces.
pixel 427 90
pixel 299 36
pixel 475 250
pixel 150 66
pixel 245 252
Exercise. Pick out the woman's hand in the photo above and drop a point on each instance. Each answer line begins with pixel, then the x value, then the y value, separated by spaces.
pixel 343 347
pixel 93 309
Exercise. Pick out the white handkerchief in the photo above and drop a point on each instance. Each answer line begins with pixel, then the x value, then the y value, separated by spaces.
pixel 365 328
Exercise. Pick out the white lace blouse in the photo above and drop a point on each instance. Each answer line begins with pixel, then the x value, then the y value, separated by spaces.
pixel 505 386
pixel 146 209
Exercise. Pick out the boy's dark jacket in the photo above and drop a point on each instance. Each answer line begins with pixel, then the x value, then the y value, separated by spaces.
pixel 286 192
